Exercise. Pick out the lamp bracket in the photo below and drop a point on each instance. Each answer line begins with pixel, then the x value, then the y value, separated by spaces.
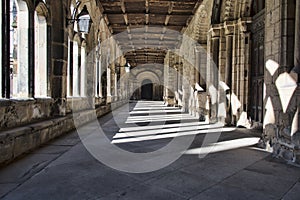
pixel 73 19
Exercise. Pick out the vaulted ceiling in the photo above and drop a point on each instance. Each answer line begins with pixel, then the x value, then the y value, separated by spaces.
pixel 146 29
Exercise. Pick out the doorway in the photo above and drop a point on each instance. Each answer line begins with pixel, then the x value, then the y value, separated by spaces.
pixel 147 90
pixel 258 63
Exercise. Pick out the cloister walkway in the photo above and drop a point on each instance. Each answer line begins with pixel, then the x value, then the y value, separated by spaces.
pixel 228 165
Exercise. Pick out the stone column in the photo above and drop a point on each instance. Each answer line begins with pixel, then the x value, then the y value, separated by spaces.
pixel 203 66
pixel 297 38
pixel 5 15
pixel 228 71
pixel 214 74
pixel 108 88
pixel 197 66
pixel 70 67
pixel 166 81
pixel 180 75
pixel 116 86
pixel 244 65
pixel 185 86
pixel 171 85
pixel 100 77
pixel 59 59
pixel 49 56
pixel 112 84
pixel 31 59
pixel 176 83
pixel 169 80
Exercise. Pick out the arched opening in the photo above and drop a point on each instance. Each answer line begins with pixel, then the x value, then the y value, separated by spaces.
pixel 257 61
pixel 82 75
pixel 19 49
pixel 147 90
pixel 75 68
pixel 40 54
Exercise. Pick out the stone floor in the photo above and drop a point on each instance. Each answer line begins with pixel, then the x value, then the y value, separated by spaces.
pixel 221 163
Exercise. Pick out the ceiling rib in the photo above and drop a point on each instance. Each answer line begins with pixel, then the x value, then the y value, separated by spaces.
pixel 146 29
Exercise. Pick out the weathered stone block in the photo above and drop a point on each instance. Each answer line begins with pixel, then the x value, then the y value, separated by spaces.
pixel 22 144
pixel 270 131
pixel 6 147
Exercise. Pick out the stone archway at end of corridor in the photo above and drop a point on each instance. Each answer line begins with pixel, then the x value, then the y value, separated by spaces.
pixel 151 87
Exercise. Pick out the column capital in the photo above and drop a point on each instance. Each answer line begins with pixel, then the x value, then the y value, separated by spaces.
pixel 229 28
pixel 244 24
pixel 215 30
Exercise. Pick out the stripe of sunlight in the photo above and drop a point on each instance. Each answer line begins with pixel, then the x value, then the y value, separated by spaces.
pixel 160 129
pixel 155 111
pixel 157 108
pixel 150 127
pixel 135 119
pixel 224 146
pixel 152 105
pixel 149 106
pixel 170 135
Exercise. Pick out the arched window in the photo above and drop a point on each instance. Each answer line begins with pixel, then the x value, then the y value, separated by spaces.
pixel 19 49
pixel 98 88
pixel 75 68
pixel 70 69
pixel 76 78
pixel 40 52
pixel 82 76
pixel 70 79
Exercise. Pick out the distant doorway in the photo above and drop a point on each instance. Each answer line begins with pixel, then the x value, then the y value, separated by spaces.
pixel 147 90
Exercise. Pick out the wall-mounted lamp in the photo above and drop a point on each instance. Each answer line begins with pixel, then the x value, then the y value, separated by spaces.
pixel 83 19
pixel 126 66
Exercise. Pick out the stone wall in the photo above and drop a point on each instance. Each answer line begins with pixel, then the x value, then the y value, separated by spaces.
pixel 19 112
pixel 282 98
pixel 40 120
pixel 17 141
pixel 230 48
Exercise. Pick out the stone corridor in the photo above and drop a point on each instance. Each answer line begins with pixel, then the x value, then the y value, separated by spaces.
pixel 235 168
pixel 149 99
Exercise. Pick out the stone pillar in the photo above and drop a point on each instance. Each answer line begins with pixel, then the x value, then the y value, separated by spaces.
pixel 31 59
pixel 297 38
pixel 108 88
pixel 213 86
pixel 116 86
pixel 112 83
pixel 169 74
pixel 244 65
pixel 203 66
pixel 90 78
pixel 83 76
pixel 228 71
pixel 166 79
pixel 100 77
pixel 197 66
pixel 180 76
pixel 176 94
pixel 71 61
pixel 185 86
pixel 49 61
pixel 171 85
pixel 59 64
pixel 5 15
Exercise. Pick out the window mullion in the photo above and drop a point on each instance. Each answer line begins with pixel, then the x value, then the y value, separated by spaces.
pixel 31 54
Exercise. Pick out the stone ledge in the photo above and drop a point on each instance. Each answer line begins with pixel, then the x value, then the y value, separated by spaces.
pixel 17 141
